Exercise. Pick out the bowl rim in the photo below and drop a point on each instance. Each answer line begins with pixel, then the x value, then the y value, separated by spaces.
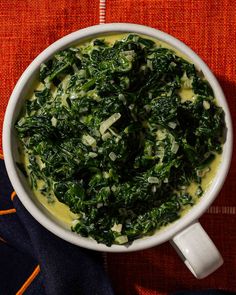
pixel 171 230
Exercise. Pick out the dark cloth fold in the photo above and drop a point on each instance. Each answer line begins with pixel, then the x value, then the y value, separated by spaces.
pixel 64 268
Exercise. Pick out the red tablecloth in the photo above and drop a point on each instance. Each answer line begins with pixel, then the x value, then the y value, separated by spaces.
pixel 208 27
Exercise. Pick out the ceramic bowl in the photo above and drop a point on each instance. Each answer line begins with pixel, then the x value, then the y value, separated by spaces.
pixel 185 228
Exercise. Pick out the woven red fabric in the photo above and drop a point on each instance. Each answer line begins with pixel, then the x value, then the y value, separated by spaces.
pixel 208 27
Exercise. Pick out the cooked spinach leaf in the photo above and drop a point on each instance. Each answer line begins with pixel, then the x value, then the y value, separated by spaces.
pixel 111 137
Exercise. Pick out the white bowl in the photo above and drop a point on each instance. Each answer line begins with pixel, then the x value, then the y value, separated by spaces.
pixel 11 154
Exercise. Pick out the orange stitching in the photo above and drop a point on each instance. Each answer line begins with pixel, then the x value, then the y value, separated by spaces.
pixel 9 211
pixel 1 156
pixel 13 194
pixel 29 280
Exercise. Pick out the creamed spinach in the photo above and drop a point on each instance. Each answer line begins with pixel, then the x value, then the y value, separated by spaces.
pixel 109 135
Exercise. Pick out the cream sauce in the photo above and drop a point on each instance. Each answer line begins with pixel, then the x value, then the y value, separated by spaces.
pixel 57 209
pixel 206 182
pixel 62 211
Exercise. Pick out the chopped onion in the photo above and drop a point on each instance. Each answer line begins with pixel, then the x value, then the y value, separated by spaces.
pixel 75 222
pixel 117 139
pixel 121 240
pixel 96 97
pixel 154 189
pixel 114 188
pixel 112 156
pixel 206 105
pixel 40 162
pixel 117 227
pixel 21 121
pixel 172 125
pixel 129 55
pixel 73 95
pixel 47 82
pixel 100 150
pixel 186 81
pixel 59 57
pixel 92 155
pixel 122 98
pixel 150 95
pixel 151 56
pixel 106 175
pixel 115 134
pixel 152 179
pixel 160 134
pixel 129 52
pixel 126 130
pixel 173 64
pixel 203 172
pixel 109 122
pixel 54 121
pixel 106 135
pixel 174 147
pixel 131 106
pixel 88 140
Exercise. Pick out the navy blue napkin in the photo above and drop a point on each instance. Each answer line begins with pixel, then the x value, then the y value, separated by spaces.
pixel 35 261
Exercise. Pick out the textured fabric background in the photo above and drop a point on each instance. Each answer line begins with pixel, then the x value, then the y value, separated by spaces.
pixel 208 27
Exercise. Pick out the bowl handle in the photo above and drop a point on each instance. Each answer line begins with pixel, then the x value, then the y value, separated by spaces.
pixel 197 250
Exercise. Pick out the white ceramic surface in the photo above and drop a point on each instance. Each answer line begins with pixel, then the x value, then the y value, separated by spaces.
pixel 20 185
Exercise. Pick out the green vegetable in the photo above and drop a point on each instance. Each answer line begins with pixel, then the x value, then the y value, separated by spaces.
pixel 109 135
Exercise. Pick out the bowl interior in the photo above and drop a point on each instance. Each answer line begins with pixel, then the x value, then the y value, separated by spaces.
pixel 10 143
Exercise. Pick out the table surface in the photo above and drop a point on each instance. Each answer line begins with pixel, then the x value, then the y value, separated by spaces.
pixel 208 27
